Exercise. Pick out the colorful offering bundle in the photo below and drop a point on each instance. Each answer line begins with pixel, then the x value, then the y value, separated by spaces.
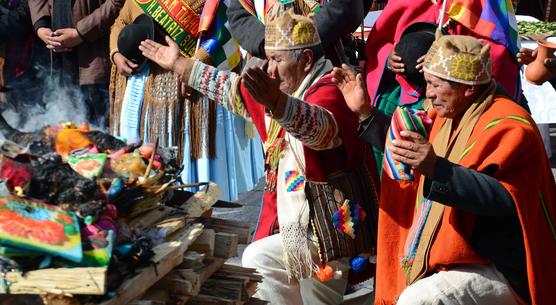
pixel 403 119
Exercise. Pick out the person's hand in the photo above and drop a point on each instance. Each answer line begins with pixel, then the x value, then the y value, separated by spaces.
pixel 353 89
pixel 167 57
pixel 264 89
pixel 124 65
pixel 46 35
pixel 526 56
pixel 414 151
pixel 550 63
pixel 68 37
pixel 420 63
pixel 395 63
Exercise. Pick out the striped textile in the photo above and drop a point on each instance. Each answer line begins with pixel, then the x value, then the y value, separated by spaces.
pixel 492 19
pixel 403 118
pixel 310 124
pixel 217 40
pixel 132 105
pixel 412 241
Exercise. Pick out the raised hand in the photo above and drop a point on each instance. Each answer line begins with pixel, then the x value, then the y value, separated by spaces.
pixel 415 151
pixel 354 91
pixel 166 57
pixel 526 56
pixel 395 63
pixel 264 89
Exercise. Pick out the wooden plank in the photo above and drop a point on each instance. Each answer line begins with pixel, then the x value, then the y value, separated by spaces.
pixel 192 260
pixel 202 201
pixel 168 255
pixel 212 264
pixel 255 301
pixel 151 217
pixel 225 245
pixel 228 289
pixel 181 282
pixel 234 270
pixel 187 235
pixel 242 229
pixel 210 300
pixel 205 242
pixel 147 302
pixel 57 281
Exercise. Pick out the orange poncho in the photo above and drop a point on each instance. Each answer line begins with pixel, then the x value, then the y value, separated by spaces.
pixel 507 139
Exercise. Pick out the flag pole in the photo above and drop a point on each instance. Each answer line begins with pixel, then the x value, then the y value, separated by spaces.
pixel 198 42
pixel 442 13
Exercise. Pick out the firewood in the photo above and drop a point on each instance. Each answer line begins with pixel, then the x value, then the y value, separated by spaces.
pixel 225 245
pixel 56 281
pixel 242 229
pixel 205 242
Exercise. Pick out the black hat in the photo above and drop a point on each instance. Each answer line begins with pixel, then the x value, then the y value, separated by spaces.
pixel 415 42
pixel 131 36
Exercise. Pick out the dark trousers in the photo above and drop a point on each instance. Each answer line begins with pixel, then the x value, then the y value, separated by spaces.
pixel 96 100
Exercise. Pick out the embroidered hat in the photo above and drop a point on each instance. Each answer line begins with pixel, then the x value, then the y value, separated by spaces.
pixel 462 59
pixel 289 31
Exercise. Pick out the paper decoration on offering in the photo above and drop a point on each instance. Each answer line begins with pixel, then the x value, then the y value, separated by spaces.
pixel 403 119
pixel 88 166
pixel 70 139
pixel 101 249
pixel 40 227
pixel 348 218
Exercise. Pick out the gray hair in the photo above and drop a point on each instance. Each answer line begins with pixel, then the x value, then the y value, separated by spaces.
pixel 317 52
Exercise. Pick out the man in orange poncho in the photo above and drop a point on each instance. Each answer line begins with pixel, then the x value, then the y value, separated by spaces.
pixel 477 225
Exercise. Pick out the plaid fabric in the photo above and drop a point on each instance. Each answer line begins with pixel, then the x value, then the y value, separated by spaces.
pixel 217 41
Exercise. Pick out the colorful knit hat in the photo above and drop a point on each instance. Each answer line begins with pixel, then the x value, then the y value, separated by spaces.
pixel 462 59
pixel 290 32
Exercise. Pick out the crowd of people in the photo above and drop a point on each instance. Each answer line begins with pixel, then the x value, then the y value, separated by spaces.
pixel 424 170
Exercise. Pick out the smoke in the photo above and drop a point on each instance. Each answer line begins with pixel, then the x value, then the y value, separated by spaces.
pixel 56 103
pixel 40 98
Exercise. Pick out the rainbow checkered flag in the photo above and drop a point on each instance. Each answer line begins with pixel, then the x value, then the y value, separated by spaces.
pixel 216 38
pixel 492 19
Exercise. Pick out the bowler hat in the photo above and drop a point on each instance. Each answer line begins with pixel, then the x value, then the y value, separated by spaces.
pixel 414 43
pixel 131 36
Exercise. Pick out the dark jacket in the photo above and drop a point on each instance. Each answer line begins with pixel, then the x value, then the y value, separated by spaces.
pixel 333 20
pixel 15 23
pixel 92 19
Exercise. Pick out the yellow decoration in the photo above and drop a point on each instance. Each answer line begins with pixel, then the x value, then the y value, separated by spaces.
pixel 461 59
pixel 303 33
pixel 289 31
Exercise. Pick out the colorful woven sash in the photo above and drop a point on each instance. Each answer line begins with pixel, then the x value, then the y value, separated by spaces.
pixel 177 18
pixel 403 119
pixel 273 145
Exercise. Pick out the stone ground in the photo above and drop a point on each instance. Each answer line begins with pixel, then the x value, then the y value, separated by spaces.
pixel 249 213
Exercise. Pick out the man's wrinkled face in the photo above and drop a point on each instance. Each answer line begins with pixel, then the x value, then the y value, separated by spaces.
pixel 449 102
pixel 289 70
